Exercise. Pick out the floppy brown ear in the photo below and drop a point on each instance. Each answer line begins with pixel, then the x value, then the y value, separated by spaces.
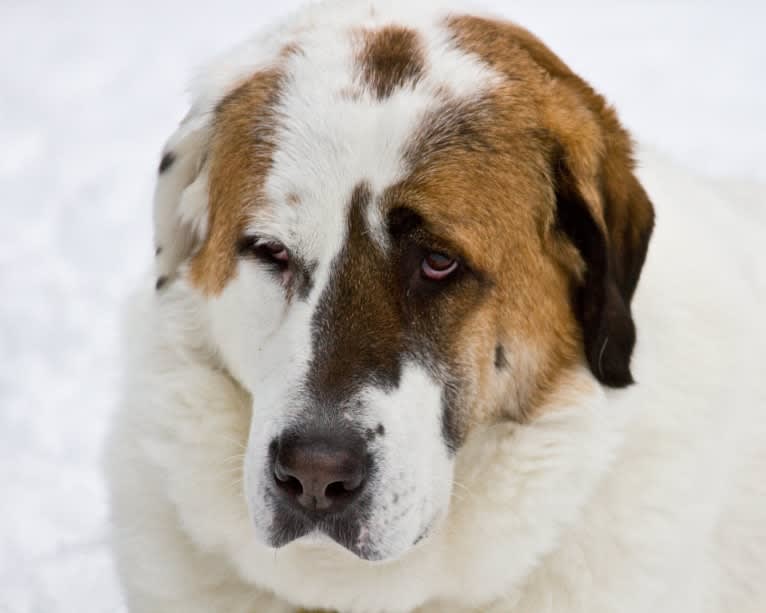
pixel 601 208
pixel 605 212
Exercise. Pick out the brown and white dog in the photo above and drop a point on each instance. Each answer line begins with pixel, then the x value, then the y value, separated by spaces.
pixel 388 362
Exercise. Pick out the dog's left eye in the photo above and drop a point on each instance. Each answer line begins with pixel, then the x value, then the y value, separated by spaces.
pixel 437 266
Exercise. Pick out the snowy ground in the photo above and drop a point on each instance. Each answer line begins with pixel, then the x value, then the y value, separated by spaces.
pixel 88 92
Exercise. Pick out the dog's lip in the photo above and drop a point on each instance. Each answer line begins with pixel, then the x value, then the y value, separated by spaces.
pixel 316 539
pixel 323 536
pixel 344 532
pixel 320 539
pixel 296 529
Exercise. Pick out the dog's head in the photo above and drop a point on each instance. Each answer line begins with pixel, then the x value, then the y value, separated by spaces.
pixel 400 234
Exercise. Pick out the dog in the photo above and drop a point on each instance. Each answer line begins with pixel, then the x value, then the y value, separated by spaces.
pixel 415 341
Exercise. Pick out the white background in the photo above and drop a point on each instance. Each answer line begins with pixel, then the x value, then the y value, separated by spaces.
pixel 88 92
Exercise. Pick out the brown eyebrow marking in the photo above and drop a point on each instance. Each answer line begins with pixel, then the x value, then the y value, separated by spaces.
pixel 390 58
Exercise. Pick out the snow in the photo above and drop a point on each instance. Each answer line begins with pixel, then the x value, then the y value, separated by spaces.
pixel 88 92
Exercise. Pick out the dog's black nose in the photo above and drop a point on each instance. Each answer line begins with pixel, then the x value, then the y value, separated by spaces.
pixel 320 473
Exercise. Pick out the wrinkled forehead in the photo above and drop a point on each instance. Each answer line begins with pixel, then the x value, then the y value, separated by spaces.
pixel 339 107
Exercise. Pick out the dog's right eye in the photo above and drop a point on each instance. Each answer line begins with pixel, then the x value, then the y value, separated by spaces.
pixel 269 251
pixel 274 251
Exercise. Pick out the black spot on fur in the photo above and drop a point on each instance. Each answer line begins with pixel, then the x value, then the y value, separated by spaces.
pixel 371 433
pixel 305 278
pixel 452 431
pixel 160 283
pixel 167 161
pixel 501 361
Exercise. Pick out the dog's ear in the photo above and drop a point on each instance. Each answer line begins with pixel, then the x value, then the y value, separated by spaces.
pixel 180 197
pixel 605 212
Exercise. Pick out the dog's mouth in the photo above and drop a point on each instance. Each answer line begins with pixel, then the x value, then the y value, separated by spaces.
pixel 348 532
pixel 351 533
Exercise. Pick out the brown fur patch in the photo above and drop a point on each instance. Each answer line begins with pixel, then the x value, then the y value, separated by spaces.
pixel 597 148
pixel 594 173
pixel 240 158
pixel 378 311
pixel 480 179
pixel 486 176
pixel 390 58
pixel 357 326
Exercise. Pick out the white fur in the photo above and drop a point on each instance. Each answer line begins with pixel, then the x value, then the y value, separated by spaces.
pixel 647 499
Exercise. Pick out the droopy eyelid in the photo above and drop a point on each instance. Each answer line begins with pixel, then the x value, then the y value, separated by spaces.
pixel 254 240
pixel 405 223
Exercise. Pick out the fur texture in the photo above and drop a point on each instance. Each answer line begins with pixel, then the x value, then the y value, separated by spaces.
pixel 549 490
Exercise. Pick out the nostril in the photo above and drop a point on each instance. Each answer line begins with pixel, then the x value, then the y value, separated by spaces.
pixel 288 484
pixel 337 490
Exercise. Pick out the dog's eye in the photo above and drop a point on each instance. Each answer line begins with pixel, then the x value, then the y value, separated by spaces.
pixel 438 266
pixel 275 251
pixel 268 251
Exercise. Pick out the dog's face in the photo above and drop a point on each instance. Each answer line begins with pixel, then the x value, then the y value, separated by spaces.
pixel 401 234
